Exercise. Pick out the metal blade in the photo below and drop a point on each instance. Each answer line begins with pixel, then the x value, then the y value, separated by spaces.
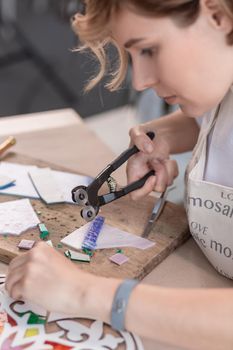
pixel 159 205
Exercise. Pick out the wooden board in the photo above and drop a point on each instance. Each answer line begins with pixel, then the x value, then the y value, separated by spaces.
pixel 170 231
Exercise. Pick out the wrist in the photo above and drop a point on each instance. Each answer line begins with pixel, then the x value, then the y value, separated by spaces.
pixel 98 294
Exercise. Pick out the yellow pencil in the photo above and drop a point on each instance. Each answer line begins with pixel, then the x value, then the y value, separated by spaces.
pixel 10 141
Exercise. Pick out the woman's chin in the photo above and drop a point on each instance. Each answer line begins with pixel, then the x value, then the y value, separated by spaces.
pixel 192 112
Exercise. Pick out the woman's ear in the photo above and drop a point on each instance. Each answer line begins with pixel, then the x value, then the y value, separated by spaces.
pixel 217 16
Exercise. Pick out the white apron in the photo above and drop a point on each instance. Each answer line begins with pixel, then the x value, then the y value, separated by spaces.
pixel 210 208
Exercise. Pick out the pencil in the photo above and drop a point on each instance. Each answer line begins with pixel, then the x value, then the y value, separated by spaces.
pixel 10 141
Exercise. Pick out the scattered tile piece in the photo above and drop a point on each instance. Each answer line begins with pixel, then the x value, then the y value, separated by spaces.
pixel 49 242
pixel 43 231
pixel 88 251
pixel 59 245
pixel 76 256
pixel 119 258
pixel 92 233
pixel 26 244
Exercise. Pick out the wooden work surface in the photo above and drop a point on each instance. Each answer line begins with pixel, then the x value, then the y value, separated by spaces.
pixel 61 219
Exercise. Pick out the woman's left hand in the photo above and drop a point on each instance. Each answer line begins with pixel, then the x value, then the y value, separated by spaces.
pixel 47 278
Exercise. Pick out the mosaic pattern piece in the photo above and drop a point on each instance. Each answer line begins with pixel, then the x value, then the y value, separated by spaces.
pixel 19 332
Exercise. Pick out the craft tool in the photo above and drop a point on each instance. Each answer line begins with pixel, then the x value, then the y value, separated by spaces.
pixel 156 211
pixel 43 231
pixel 92 233
pixel 10 141
pixel 26 244
pixel 88 198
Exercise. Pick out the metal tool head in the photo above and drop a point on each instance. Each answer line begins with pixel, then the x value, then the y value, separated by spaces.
pixel 80 196
pixel 88 213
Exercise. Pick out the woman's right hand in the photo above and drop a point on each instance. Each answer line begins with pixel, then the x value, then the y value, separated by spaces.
pixel 153 155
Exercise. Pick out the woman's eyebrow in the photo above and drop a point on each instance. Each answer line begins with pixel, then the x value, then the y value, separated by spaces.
pixel 132 42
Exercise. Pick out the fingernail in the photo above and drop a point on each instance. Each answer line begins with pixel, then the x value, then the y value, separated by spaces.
pixel 159 189
pixel 148 147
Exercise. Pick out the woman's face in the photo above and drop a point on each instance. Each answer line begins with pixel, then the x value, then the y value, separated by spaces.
pixel 190 66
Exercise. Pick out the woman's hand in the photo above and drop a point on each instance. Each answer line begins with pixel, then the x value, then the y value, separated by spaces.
pixel 47 278
pixel 154 155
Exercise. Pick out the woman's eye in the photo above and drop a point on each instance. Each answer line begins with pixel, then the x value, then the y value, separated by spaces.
pixel 147 52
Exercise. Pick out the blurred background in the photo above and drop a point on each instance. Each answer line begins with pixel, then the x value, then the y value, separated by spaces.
pixel 39 72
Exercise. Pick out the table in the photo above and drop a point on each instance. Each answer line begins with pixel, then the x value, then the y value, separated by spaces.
pixel 54 137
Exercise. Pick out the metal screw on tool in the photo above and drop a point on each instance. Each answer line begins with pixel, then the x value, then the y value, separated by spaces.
pixel 88 213
pixel 81 196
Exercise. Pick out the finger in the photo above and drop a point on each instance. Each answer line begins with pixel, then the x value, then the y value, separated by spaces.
pixel 14 277
pixel 141 140
pixel 145 190
pixel 18 261
pixel 16 291
pixel 166 171
pixel 172 170
pixel 161 179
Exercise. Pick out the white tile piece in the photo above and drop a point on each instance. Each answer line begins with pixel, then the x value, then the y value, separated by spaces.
pixel 46 185
pixel 67 181
pixel 49 242
pixel 110 237
pixel 17 217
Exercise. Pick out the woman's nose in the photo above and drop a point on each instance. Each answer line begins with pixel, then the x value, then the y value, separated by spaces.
pixel 143 78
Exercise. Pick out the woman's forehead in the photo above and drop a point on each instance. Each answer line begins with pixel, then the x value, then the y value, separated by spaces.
pixel 126 25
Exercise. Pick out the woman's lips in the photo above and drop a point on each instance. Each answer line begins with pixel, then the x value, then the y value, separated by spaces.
pixel 171 100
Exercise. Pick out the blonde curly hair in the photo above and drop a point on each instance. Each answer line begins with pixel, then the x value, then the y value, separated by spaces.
pixel 93 30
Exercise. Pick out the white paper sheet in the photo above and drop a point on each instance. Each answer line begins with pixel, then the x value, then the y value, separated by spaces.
pixel 110 237
pixel 17 217
pixel 24 186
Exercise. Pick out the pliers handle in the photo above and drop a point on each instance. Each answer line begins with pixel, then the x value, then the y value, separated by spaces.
pixel 88 196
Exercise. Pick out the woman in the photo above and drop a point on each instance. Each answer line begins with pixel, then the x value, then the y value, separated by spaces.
pixel 183 49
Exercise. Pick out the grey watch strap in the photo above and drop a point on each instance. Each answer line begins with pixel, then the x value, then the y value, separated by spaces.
pixel 120 302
